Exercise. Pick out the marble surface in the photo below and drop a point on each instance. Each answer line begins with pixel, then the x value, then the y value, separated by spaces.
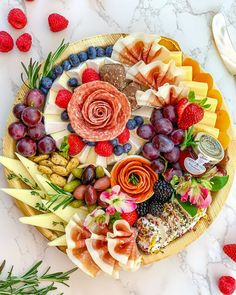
pixel 193 271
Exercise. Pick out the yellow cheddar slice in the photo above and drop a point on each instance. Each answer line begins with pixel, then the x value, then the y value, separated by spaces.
pixel 199 88
pixel 212 101
pixel 208 129
pixel 176 56
pixel 209 119
pixel 187 73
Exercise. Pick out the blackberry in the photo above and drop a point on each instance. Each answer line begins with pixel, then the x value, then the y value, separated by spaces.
pixel 163 191
pixel 155 208
pixel 142 209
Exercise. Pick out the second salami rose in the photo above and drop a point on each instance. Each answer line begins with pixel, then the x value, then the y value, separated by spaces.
pixel 98 111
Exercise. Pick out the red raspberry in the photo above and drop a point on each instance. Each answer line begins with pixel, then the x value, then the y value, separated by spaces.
pixel 227 285
pixel 63 97
pixel 90 75
pixel 57 22
pixel 124 136
pixel 17 18
pixel 76 144
pixel 230 250
pixel 6 42
pixel 130 217
pixel 24 42
pixel 104 148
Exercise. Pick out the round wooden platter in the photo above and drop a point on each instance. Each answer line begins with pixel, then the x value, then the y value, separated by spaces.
pixel 180 243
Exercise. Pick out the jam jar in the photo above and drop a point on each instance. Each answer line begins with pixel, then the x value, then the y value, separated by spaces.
pixel 201 158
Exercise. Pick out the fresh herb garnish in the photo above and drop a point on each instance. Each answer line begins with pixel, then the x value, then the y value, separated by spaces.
pixel 55 223
pixel 200 102
pixel 113 218
pixel 32 73
pixel 12 176
pixel 41 207
pixel 29 283
pixel 34 193
pixel 64 148
pixel 188 139
pixel 134 179
pixel 218 182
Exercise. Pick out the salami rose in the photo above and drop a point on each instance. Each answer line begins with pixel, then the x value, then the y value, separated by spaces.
pixel 98 111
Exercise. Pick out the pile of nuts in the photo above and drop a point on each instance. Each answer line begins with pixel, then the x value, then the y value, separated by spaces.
pixel 56 167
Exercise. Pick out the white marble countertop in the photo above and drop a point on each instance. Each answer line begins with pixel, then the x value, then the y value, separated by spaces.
pixel 194 270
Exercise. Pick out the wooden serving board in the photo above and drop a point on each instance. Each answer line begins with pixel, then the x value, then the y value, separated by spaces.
pixel 180 243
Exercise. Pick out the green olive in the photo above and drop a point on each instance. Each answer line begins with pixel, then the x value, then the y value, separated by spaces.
pixel 77 203
pixel 71 186
pixel 77 172
pixel 91 208
pixel 99 172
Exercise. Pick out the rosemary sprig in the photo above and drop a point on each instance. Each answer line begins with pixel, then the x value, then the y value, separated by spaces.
pixel 29 283
pixel 64 197
pixel 134 179
pixel 32 73
pixel 188 139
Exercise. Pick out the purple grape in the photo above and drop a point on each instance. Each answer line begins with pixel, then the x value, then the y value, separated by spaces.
pixel 169 113
pixel 158 165
pixel 31 116
pixel 35 98
pixel 163 143
pixel 149 151
pixel 163 126
pixel 177 136
pixel 176 166
pixel 169 173
pixel 156 115
pixel 26 147
pixel 17 130
pixel 37 132
pixel 18 109
pixel 46 145
pixel 146 131
pixel 172 156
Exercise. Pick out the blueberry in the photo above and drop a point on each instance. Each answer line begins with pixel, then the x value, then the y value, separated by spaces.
pixel 64 116
pixel 70 129
pixel 139 120
pixel 114 142
pixel 109 50
pixel 66 65
pixel 53 77
pixel 83 56
pixel 44 90
pixel 127 147
pixel 73 82
pixel 74 60
pixel 118 150
pixel 100 51
pixel 58 70
pixel 92 52
pixel 131 124
pixel 91 143
pixel 46 82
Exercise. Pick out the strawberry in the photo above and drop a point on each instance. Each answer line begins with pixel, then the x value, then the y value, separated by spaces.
pixel 104 148
pixel 90 75
pixel 63 98
pixel 75 143
pixel 24 42
pixel 6 42
pixel 17 18
pixel 130 217
pixel 230 250
pixel 57 22
pixel 124 136
pixel 227 285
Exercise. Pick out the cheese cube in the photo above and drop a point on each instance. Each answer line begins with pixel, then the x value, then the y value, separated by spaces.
pixel 212 101
pixel 199 88
pixel 209 119
pixel 177 56
pixel 207 129
pixel 187 73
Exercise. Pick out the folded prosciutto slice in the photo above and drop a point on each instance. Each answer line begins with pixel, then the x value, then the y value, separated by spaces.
pixel 76 236
pixel 166 94
pixel 154 74
pixel 139 46
pixel 122 245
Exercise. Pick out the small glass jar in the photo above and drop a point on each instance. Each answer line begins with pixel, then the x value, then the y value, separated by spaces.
pixel 207 153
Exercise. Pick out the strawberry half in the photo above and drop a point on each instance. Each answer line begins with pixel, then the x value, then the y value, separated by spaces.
pixel 230 250
pixel 130 217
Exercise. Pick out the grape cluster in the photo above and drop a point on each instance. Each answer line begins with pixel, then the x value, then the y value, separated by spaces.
pixel 29 131
pixel 164 139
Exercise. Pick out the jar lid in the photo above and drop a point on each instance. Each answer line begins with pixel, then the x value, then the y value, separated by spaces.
pixel 210 147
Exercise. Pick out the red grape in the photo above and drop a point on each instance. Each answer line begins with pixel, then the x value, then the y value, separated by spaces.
pixel 17 130
pixel 163 143
pixel 176 166
pixel 158 165
pixel 163 126
pixel 169 113
pixel 46 145
pixel 31 116
pixel 35 98
pixel 146 131
pixel 177 136
pixel 169 173
pixel 172 156
pixel 18 109
pixel 149 151
pixel 37 132
pixel 26 147
pixel 156 115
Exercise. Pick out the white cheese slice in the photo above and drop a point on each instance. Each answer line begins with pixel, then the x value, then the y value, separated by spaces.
pixel 77 72
pixel 52 109
pixel 144 112
pixel 44 184
pixel 61 83
pixel 59 137
pixel 101 161
pixel 60 241
pixel 96 64
pixel 53 124
pixel 82 156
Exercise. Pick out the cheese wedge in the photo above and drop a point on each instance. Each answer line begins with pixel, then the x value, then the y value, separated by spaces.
pixel 209 119
pixel 186 73
pixel 212 101
pixel 176 56
pixel 44 184
pixel 208 129
pixel 60 241
pixel 199 88
pixel 47 220
pixel 61 83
